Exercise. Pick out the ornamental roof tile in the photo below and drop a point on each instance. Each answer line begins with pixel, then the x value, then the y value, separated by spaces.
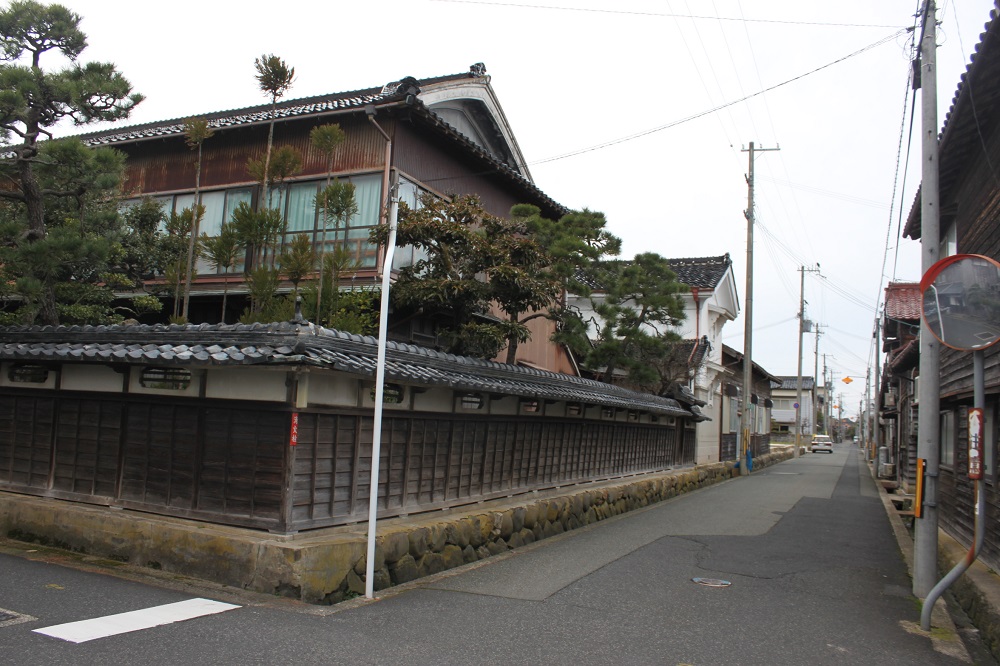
pixel 305 344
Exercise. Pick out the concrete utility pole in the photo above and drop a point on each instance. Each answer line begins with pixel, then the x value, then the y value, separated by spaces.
pixel 826 400
pixel 745 414
pixel 815 391
pixel 802 326
pixel 925 541
pixel 877 389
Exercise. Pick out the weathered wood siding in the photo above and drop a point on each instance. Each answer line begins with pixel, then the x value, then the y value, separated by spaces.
pixel 235 463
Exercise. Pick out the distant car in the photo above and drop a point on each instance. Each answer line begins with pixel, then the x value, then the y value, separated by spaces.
pixel 821 443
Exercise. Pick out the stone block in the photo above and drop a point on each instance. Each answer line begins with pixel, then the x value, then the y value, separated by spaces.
pixel 518 517
pixel 404 569
pixel 395 545
pixel 452 556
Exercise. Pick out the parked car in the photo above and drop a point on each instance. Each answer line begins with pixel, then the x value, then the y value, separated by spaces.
pixel 821 443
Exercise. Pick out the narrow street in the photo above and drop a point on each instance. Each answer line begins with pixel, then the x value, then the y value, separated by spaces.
pixel 815 577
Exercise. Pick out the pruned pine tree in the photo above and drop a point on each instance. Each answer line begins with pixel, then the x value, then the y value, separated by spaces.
pixel 223 252
pixel 196 131
pixel 274 78
pixel 326 139
pixel 33 101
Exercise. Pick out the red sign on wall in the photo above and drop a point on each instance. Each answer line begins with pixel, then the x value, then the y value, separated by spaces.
pixel 976 444
pixel 294 439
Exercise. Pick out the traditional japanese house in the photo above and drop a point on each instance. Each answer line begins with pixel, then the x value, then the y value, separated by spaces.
pixel 969 197
pixel 442 135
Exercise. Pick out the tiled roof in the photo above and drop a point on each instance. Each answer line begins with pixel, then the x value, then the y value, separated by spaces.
pixel 904 358
pixel 792 383
pixel 303 343
pixel 393 94
pixel 306 106
pixel 701 272
pixel 902 301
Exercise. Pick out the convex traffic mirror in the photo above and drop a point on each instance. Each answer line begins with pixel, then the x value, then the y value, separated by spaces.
pixel 961 301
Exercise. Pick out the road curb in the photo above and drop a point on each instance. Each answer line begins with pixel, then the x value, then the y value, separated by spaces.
pixel 943 634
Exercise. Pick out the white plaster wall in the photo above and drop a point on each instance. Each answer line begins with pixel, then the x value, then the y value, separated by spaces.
pixel 246 384
pixel 332 390
pixel 434 400
pixel 93 378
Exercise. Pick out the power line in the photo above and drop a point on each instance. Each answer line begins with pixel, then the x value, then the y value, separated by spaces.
pixel 666 15
pixel 701 114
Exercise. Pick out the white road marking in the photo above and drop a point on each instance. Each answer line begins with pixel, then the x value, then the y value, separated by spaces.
pixel 112 625
pixel 9 618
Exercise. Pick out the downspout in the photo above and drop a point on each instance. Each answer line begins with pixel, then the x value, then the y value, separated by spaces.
pixel 697 325
pixel 370 112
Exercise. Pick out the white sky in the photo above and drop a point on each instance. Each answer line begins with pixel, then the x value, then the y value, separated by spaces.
pixel 576 74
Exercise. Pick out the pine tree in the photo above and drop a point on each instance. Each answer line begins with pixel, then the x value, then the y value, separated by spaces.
pixel 35 100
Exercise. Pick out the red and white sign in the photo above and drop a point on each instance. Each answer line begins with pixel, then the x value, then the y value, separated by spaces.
pixel 976 443
pixel 294 439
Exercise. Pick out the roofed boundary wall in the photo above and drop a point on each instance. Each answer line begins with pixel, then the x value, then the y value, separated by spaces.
pixel 328 565
pixel 271 426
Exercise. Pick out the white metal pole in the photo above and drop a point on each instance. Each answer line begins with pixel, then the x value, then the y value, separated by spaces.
pixel 383 323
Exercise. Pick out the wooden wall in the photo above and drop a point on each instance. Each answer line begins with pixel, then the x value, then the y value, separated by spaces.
pixel 233 462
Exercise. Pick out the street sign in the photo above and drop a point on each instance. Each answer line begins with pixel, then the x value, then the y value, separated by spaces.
pixel 796 405
pixel 847 380
pixel 975 444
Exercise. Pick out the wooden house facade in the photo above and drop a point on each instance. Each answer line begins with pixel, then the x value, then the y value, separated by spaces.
pixel 969 201
pixel 444 135
pixel 897 399
pixel 731 403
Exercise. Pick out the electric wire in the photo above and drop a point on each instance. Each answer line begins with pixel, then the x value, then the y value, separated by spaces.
pixel 702 79
pixel 669 15
pixel 701 114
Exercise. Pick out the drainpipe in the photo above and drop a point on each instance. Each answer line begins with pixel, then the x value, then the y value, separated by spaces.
pixel 383 322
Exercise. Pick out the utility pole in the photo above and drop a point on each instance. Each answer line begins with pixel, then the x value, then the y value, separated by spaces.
pixel 878 390
pixel 802 327
pixel 745 422
pixel 815 391
pixel 925 541
pixel 826 400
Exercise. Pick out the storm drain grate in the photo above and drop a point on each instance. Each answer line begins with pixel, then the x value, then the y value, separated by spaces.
pixel 711 582
pixel 9 617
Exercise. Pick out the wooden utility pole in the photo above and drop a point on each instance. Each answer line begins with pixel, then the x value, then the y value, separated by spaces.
pixel 745 414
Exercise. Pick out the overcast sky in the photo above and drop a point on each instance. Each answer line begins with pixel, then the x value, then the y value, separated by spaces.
pixel 633 108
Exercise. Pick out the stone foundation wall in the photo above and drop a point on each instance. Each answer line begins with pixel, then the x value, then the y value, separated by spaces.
pixel 328 565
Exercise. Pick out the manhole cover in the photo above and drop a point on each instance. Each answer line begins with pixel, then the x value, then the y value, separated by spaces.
pixel 711 582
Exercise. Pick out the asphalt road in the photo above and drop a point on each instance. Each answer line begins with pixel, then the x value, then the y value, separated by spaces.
pixel 815 578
